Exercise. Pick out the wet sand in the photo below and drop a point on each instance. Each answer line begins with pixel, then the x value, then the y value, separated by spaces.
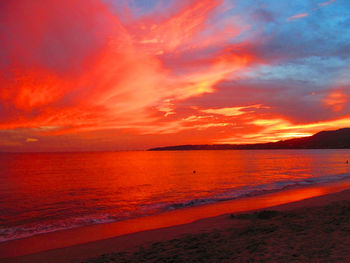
pixel 315 229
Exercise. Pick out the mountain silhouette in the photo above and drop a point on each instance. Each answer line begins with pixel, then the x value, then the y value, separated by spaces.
pixel 338 139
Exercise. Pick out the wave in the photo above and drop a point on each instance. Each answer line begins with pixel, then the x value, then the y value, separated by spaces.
pixel 23 231
pixel 250 191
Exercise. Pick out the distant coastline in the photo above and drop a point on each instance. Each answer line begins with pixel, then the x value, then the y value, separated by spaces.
pixel 337 139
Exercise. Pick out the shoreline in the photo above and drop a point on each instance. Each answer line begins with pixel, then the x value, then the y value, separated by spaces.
pixel 188 204
pixel 91 241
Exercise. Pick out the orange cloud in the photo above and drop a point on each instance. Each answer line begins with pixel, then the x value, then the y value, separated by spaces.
pixel 282 129
pixel 233 111
pixel 336 99
pixel 31 140
pixel 123 80
pixel 77 70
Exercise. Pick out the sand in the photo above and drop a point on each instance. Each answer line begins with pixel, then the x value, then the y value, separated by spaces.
pixel 314 229
pixel 304 235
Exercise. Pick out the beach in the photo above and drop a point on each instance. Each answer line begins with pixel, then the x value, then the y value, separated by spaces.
pixel 305 228
pixel 174 131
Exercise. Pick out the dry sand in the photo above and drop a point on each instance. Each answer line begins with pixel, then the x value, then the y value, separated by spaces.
pixel 312 230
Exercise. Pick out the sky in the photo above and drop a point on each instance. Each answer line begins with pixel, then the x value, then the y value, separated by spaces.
pixel 106 75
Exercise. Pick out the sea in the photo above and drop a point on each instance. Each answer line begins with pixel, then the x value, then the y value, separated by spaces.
pixel 46 192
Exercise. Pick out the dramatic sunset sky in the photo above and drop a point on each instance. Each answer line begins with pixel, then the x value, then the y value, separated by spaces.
pixel 133 74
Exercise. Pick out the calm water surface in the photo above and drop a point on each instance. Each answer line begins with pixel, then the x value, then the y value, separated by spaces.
pixel 51 191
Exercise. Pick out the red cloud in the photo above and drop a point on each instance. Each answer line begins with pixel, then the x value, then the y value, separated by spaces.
pixel 326 3
pixel 82 69
pixel 77 73
pixel 297 16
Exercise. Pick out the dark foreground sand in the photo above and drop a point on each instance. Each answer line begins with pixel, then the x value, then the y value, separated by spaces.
pixel 311 230
pixel 302 235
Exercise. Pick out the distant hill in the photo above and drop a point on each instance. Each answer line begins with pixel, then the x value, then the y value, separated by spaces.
pixel 338 139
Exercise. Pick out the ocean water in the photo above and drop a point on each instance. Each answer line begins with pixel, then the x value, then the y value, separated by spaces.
pixel 45 192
